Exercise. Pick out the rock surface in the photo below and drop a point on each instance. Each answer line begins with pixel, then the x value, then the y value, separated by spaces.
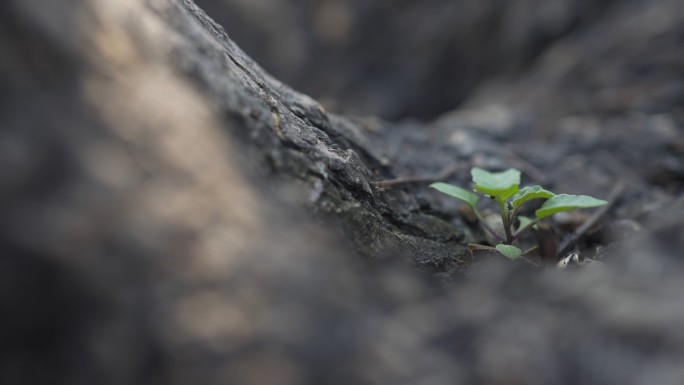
pixel 173 214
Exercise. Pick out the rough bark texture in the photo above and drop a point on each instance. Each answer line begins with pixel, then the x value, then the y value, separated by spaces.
pixel 172 214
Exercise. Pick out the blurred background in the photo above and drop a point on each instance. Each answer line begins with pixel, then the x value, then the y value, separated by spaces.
pixel 400 58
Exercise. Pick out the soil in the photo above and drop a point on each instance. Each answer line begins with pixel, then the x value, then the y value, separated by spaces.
pixel 580 160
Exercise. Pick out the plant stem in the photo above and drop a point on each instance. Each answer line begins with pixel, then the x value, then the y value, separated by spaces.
pixel 496 235
pixel 514 213
pixel 525 229
pixel 506 219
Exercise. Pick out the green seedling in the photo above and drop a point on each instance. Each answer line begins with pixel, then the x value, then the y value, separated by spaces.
pixel 504 189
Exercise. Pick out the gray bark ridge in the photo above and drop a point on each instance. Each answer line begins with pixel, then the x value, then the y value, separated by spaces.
pixel 291 138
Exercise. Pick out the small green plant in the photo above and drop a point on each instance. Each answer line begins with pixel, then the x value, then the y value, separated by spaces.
pixel 503 188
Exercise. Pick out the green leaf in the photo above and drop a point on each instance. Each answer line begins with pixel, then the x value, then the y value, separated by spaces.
pixel 457 192
pixel 566 202
pixel 528 193
pixel 510 252
pixel 501 185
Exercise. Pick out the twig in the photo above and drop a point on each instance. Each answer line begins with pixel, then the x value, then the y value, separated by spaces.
pixel 441 175
pixel 581 231
pixel 529 261
pixel 476 246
